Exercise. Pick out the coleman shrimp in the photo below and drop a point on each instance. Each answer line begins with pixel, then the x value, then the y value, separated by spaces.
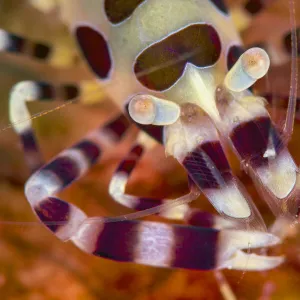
pixel 179 72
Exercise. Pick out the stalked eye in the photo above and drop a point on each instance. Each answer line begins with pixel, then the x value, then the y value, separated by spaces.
pixel 251 66
pixel 220 5
pixel 163 63
pixel 233 55
pixel 119 10
pixel 95 49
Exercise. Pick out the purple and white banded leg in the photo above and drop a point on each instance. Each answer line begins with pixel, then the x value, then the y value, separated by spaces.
pixel 191 137
pixel 267 159
pixel 177 209
pixel 21 120
pixel 148 243
pixel 19 45
pixel 119 181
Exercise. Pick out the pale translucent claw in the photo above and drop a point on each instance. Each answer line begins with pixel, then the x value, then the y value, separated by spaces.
pixel 231 243
pixel 253 262
pixel 239 239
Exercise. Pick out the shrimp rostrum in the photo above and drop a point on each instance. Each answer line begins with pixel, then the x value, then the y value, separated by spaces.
pixel 178 71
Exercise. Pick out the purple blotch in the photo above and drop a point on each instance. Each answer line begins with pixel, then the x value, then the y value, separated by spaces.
pixel 160 65
pixel 251 140
pixel 95 49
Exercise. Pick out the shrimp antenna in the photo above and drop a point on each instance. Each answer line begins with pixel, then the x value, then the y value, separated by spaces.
pixel 291 111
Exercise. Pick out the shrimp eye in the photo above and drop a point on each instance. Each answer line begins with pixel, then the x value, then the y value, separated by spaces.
pixel 163 63
pixel 252 65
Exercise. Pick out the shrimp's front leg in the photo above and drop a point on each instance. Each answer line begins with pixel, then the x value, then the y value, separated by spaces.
pixel 175 246
pixel 260 146
pixel 193 140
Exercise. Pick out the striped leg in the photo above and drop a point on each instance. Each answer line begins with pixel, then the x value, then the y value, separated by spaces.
pixel 174 246
pixel 119 181
pixel 21 119
pixel 193 217
pixel 176 209
pixel 148 243
pixel 16 44
pixel 67 167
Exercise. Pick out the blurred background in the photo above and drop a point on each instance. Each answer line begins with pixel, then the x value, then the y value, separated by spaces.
pixel 34 265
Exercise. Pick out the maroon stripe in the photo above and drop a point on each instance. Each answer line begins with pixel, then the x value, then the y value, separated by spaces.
pixel 53 210
pixel 117 127
pixel 65 168
pixel 16 43
pixel 129 163
pixel 145 203
pixel 200 218
pixel 70 91
pixel 90 150
pixel 46 91
pixel 254 6
pixel 33 156
pixel 251 140
pixel 207 165
pixel 29 141
pixel 195 247
pixel 41 51
pixel 117 241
